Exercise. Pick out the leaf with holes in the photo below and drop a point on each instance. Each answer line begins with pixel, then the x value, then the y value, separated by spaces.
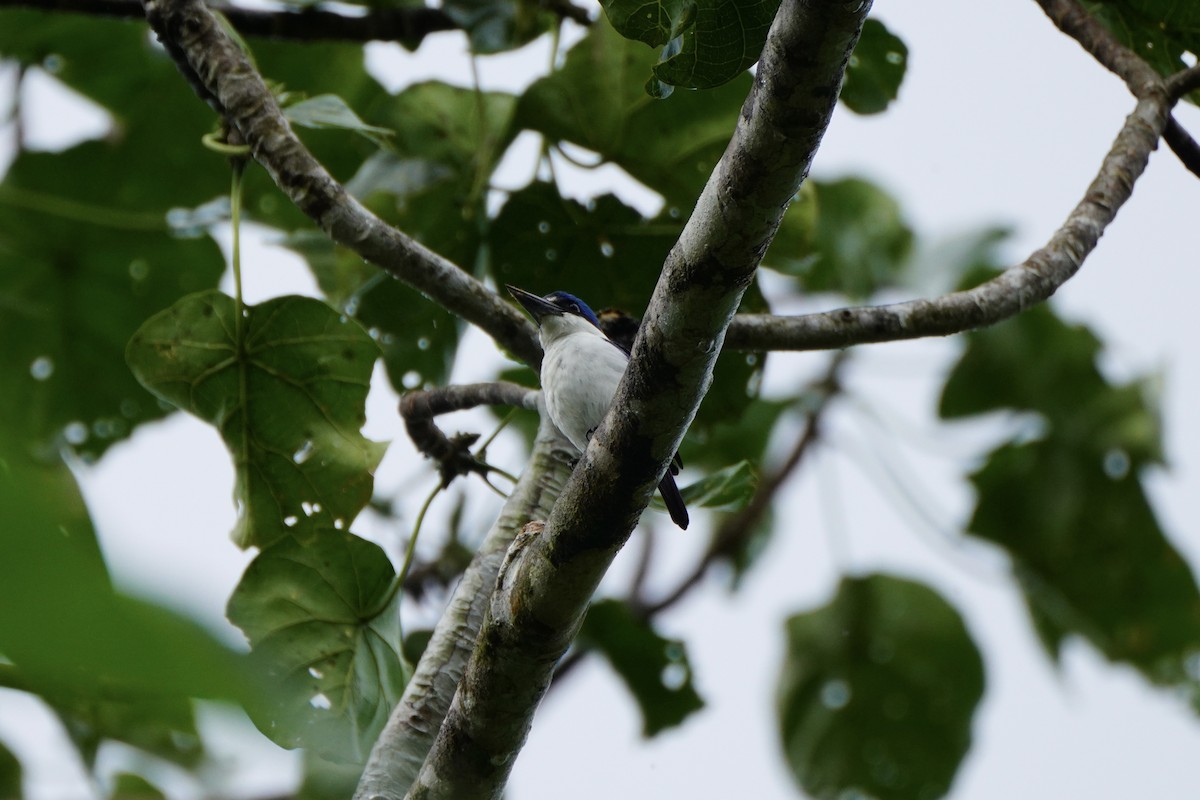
pixel 318 611
pixel 286 386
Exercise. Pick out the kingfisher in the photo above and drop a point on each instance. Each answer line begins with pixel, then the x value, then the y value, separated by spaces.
pixel 580 373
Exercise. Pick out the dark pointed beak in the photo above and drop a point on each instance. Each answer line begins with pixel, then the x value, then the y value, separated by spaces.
pixel 536 306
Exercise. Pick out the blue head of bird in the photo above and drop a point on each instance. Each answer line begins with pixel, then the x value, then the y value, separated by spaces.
pixel 558 314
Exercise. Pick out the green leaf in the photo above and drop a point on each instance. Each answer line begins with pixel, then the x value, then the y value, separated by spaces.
pixel 164 726
pixel 729 489
pixel 128 786
pixel 861 243
pixel 736 438
pixel 112 666
pixel 434 185
pixel 791 250
pixel 725 41
pixel 1036 362
pixel 875 70
pixel 655 669
pixel 604 251
pixel 10 774
pixel 328 111
pixel 314 69
pixel 1070 507
pixel 654 23
pixel 956 261
pixel 1160 31
pixel 597 100
pixel 494 26
pixel 878 691
pixel 286 387
pixel 417 337
pixel 327 780
pixel 71 294
pixel 1091 556
pixel 85 251
pixel 324 627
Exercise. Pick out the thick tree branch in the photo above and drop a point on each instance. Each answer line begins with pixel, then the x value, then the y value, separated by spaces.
pixel 222 75
pixel 541 597
pixel 402 746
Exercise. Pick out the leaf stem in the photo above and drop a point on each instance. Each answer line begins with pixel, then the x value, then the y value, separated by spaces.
pixel 405 565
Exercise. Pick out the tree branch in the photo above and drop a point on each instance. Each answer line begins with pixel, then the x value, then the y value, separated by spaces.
pixel 453 454
pixel 402 746
pixel 407 25
pixel 1183 146
pixel 1006 295
pixel 541 597
pixel 221 74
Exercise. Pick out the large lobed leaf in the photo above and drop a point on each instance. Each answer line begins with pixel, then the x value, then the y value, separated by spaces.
pixel 1070 506
pixel 111 666
pixel 286 387
pixel 86 253
pixel 878 691
pixel 316 610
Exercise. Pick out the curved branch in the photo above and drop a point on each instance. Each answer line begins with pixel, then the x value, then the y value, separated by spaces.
pixel 1070 17
pixel 406 739
pixel 540 599
pixel 220 72
pixel 453 454
pixel 1006 295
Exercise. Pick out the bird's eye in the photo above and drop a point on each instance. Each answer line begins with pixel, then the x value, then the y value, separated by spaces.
pixel 575 307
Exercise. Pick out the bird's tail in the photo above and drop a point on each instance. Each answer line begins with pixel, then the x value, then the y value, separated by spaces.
pixel 673 500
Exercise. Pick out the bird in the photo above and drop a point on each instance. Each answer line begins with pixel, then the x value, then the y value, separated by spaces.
pixel 580 372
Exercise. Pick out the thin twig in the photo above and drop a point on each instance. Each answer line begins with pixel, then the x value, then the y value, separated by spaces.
pixel 1183 145
pixel 738 528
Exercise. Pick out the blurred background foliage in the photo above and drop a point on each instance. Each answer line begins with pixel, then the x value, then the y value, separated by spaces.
pixel 110 318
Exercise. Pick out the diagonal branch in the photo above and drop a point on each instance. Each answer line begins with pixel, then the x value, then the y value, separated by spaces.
pixel 405 741
pixel 541 597
pixel 1006 295
pixel 408 25
pixel 222 75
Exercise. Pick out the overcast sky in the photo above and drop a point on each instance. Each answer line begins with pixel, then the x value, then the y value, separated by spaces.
pixel 1000 120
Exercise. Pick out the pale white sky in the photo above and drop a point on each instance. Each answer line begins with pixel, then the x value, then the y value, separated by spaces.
pixel 1000 120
